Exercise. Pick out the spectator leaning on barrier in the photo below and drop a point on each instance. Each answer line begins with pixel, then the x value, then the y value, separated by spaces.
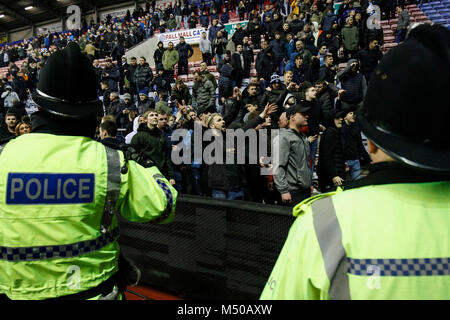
pixel 292 170
pixel 226 180
pixel 150 141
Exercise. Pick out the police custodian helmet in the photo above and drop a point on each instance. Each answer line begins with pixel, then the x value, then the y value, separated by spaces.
pixel 406 110
pixel 67 85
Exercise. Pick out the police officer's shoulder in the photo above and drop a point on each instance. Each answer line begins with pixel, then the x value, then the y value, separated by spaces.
pixel 305 206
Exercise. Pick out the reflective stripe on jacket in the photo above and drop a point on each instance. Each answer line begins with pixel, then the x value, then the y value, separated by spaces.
pixel 376 242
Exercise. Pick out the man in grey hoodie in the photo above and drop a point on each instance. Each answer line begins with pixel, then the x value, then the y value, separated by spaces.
pixel 292 167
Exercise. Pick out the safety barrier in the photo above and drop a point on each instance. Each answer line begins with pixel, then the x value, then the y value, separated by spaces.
pixel 214 249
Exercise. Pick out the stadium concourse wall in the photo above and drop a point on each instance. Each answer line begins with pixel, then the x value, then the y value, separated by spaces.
pixel 213 249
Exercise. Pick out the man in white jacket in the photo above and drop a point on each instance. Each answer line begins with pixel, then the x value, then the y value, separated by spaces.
pixel 9 97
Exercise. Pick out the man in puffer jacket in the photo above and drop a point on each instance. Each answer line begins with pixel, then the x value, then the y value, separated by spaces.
pixel 203 93
pixel 143 75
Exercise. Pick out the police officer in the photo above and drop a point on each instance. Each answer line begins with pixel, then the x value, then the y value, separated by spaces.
pixel 61 190
pixel 385 236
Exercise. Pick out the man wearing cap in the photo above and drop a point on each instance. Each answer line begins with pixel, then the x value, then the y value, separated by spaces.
pixel 60 198
pixel 144 102
pixel 292 172
pixel 385 236
pixel 124 109
pixel 331 166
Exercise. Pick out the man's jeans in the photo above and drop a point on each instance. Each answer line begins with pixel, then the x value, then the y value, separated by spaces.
pixel 229 195
pixel 355 169
pixel 312 151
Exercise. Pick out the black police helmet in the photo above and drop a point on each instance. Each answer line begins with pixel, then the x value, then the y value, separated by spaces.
pixel 406 111
pixel 67 85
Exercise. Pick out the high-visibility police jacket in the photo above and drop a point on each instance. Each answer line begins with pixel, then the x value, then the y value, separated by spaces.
pixel 58 198
pixel 376 242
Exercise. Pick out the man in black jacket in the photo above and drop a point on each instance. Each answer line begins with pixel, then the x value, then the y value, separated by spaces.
pixel 353 148
pixel 157 56
pixel 327 72
pixel 239 64
pixel 143 75
pixel 238 36
pixel 185 51
pixel 265 64
pixel 129 75
pixel 331 166
pixel 369 58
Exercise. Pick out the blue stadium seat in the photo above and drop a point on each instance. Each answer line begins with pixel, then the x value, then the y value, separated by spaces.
pixel 439 21
pixel 430 11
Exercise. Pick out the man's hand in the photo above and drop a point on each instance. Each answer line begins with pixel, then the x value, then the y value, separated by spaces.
pixel 172 182
pixel 286 197
pixel 311 139
pixel 269 109
pixel 338 181
pixel 341 93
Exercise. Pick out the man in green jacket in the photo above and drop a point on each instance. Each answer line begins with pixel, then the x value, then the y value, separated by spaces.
pixel 169 60
pixel 385 236
pixel 350 38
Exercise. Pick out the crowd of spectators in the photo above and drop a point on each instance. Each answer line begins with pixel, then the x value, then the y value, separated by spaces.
pixel 294 47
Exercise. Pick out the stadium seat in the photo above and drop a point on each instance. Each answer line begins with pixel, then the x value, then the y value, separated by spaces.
pixel 439 21
pixel 388 33
pixel 388 46
pixel 216 74
pixel 389 39
pixel 434 16
pixel 421 19
pixel 429 12
pixel 393 21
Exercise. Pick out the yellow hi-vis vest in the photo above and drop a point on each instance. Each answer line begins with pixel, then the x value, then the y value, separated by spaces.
pixel 376 242
pixel 58 199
